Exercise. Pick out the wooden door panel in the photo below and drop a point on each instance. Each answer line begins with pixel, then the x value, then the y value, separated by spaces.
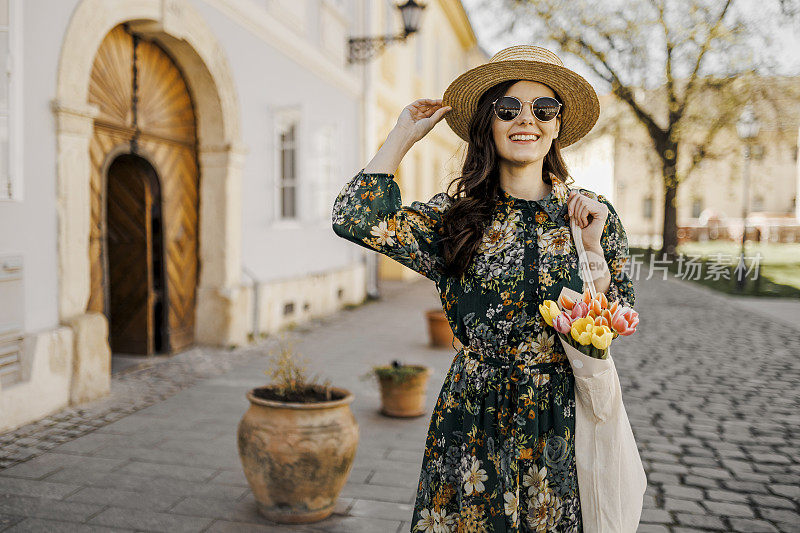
pixel 167 137
pixel 130 274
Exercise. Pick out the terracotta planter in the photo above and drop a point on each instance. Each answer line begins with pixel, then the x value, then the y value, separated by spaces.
pixel 297 456
pixel 439 331
pixel 404 399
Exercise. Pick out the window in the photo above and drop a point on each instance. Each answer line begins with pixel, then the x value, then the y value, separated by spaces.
pixel 697 207
pixel 647 207
pixel 10 175
pixel 327 171
pixel 286 171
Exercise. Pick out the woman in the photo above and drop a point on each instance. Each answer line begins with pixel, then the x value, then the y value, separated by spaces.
pixel 499 454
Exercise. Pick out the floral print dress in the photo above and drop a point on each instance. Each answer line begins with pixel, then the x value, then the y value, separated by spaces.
pixel 499 455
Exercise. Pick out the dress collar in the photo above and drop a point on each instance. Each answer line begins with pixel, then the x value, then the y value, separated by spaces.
pixel 552 203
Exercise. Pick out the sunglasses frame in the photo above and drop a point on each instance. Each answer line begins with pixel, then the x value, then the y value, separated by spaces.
pixel 533 104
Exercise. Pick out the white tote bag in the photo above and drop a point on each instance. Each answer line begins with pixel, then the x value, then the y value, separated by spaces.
pixel 611 478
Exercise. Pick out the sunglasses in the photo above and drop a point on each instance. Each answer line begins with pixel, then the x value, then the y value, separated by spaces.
pixel 543 108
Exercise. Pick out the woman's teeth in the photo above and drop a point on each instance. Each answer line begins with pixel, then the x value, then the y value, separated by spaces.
pixel 524 137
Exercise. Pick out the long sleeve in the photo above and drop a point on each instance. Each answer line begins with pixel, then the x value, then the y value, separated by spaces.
pixel 615 248
pixel 369 212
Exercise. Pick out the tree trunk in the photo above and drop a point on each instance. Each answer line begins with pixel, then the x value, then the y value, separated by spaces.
pixel 669 157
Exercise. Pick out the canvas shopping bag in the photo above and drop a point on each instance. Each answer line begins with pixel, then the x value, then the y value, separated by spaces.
pixel 611 478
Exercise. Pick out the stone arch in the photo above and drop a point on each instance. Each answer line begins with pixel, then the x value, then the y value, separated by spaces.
pixel 179 29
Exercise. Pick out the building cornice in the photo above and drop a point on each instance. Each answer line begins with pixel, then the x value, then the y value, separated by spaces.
pixel 455 13
pixel 266 27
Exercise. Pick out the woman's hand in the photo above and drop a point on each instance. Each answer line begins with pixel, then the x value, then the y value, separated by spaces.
pixel 591 217
pixel 419 117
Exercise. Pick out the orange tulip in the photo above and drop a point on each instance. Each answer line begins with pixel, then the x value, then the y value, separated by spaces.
pixel 566 302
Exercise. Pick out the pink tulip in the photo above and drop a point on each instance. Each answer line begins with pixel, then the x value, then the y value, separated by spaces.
pixel 625 320
pixel 563 323
pixel 579 310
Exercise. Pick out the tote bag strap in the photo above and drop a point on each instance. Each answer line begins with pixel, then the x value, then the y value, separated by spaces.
pixel 583 260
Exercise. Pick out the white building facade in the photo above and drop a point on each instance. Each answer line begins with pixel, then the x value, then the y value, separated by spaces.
pixel 167 171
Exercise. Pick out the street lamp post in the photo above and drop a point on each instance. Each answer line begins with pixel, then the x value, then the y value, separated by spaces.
pixel 747 127
pixel 363 49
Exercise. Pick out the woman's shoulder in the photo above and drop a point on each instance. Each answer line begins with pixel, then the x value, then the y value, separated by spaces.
pixel 438 204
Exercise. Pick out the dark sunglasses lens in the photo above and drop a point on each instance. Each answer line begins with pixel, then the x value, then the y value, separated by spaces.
pixel 545 108
pixel 507 108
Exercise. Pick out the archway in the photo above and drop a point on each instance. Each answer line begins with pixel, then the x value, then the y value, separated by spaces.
pixel 145 108
pixel 175 26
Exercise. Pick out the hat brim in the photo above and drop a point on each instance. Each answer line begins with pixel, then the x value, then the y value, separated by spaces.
pixel 578 115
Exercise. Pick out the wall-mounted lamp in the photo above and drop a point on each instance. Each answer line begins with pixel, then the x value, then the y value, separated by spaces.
pixel 362 49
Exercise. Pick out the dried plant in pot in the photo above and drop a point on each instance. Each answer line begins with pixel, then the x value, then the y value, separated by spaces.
pixel 297 442
pixel 439 331
pixel 403 388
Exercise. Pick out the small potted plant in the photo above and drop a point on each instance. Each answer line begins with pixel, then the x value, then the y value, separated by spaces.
pixel 297 442
pixel 403 388
pixel 439 330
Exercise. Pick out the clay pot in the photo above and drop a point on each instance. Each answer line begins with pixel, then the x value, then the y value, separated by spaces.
pixel 439 331
pixel 406 398
pixel 297 456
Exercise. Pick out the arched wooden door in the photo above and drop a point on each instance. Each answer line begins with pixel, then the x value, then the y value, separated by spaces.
pixel 146 108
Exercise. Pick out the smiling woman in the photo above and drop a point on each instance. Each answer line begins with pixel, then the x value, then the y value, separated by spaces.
pixel 500 450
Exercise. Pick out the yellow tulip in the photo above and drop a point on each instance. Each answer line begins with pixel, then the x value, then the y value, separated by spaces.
pixel 601 337
pixel 549 310
pixel 582 330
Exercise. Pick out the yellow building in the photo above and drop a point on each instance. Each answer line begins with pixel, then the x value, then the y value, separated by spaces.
pixel 422 67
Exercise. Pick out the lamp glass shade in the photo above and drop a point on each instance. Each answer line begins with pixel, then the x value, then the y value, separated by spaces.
pixel 748 125
pixel 411 13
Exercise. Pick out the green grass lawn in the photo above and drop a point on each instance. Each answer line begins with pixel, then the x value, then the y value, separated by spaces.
pixel 777 266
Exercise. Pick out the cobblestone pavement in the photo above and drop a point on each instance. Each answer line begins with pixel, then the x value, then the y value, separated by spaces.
pixel 710 389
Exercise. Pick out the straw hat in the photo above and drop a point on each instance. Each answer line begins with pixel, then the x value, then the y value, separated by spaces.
pixel 525 62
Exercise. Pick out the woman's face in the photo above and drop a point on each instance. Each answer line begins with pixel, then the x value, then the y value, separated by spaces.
pixel 524 152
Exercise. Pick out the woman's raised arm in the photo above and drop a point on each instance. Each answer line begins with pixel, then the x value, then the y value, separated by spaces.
pixel 369 210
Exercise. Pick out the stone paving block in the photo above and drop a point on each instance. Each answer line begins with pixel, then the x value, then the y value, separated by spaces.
pixel 231 477
pixel 355 524
pixel 244 510
pixel 658 516
pixel 773 501
pixel 48 463
pixel 39 507
pixel 781 515
pixel 713 473
pixel 754 476
pixel 384 510
pixel 748 487
pixel 652 528
pixel 37 525
pixel 790 491
pixel 39 489
pixel 396 479
pixel 745 525
pixel 186 473
pixel 703 482
pixel 151 500
pixel 673 504
pixel 380 493
pixel 727 496
pixel 149 520
pixel 223 526
pixel 7 521
pixel 704 521
pixel 729 509
pixel 683 492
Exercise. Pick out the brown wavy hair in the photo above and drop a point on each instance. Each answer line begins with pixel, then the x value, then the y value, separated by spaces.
pixel 478 186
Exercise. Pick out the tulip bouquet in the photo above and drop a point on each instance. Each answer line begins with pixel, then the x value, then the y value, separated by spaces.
pixel 589 323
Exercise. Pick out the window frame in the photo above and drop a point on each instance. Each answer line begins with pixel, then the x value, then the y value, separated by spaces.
pixel 284 118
